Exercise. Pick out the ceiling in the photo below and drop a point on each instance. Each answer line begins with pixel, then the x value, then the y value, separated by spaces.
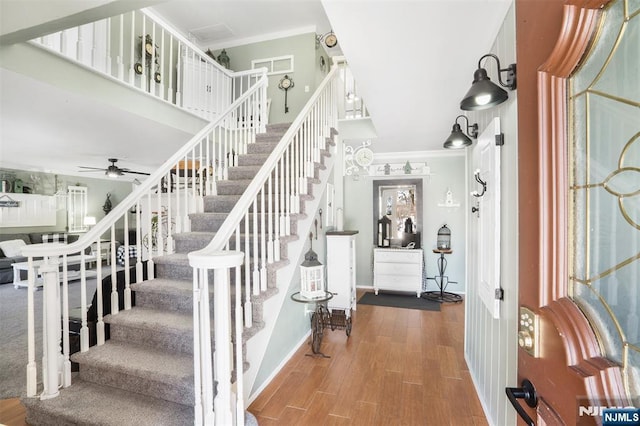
pixel 411 62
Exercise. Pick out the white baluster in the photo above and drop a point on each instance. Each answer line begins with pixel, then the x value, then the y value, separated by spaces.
pixel 270 220
pixel 66 363
pixel 115 306
pixel 100 337
pixel 31 333
pixel 127 272
pixel 254 258
pixel 263 243
pixel 120 56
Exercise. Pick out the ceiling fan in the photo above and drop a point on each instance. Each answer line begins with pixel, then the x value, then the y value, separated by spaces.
pixel 112 170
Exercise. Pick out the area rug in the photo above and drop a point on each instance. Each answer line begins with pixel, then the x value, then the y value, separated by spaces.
pixel 395 300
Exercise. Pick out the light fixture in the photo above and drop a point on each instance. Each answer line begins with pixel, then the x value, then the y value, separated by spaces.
pixel 89 221
pixel 458 139
pixel 223 59
pixel 484 93
pixel 330 39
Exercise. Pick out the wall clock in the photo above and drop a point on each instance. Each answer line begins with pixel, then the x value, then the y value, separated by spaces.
pixel 364 156
pixel 285 84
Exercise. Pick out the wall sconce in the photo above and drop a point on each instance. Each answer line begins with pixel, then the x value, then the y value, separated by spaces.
pixel 483 93
pixel 330 39
pixel 458 139
pixel 476 175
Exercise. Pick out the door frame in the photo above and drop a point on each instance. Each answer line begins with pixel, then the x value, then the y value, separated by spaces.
pixel 543 244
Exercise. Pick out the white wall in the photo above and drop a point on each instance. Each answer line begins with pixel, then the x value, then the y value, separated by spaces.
pixel 491 345
pixel 448 171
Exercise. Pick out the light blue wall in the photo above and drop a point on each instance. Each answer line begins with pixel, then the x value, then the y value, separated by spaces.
pixel 293 324
pixel 447 173
pixel 306 66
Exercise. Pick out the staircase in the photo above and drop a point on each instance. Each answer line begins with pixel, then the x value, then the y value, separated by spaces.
pixel 144 374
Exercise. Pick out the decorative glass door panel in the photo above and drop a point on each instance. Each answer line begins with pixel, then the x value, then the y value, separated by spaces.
pixel 604 190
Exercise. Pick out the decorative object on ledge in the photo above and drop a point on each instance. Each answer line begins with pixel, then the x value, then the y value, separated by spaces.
pixel 483 93
pixel 448 200
pixel 150 54
pixel 459 139
pixel 394 169
pixel 476 175
pixel 223 59
pixel 330 39
pixel 358 158
pixel 285 84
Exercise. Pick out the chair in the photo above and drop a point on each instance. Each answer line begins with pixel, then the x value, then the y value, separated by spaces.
pixel 191 173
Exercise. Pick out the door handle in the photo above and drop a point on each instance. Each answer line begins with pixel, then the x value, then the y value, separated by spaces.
pixel 526 392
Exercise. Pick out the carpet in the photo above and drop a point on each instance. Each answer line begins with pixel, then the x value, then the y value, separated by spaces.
pixel 395 300
pixel 13 332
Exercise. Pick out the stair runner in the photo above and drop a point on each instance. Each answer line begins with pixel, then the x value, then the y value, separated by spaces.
pixel 143 375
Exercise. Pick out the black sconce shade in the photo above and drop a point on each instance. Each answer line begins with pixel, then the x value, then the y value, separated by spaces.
pixel 484 93
pixel 458 139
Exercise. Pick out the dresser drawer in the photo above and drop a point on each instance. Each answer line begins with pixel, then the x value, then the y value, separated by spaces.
pixel 399 256
pixel 398 268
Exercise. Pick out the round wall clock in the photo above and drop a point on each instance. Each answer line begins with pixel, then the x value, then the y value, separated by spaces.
pixel 331 40
pixel 364 157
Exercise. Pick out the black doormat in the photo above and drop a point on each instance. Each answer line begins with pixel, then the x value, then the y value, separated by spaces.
pixel 395 300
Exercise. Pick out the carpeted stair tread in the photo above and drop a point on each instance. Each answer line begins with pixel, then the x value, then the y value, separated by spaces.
pixel 152 318
pixel 172 259
pixel 164 286
pixel 139 361
pixel 86 403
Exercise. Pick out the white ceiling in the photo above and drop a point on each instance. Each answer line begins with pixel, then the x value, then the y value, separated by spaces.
pixel 413 61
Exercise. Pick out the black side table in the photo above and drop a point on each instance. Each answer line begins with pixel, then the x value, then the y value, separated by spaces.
pixel 441 296
pixel 319 318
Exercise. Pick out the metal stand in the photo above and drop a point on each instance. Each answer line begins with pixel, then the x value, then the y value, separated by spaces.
pixel 319 318
pixel 441 296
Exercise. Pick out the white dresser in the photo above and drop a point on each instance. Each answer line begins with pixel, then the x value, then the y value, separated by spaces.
pixel 397 270
pixel 341 269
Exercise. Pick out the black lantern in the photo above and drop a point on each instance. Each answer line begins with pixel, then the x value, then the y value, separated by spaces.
pixel 444 238
pixel 384 232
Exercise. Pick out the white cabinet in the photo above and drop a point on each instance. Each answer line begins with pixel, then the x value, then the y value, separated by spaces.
pixel 341 269
pixel 397 270
pixel 205 89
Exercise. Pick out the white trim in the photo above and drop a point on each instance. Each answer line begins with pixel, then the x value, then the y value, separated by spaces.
pixel 386 157
pixel 268 63
pixel 263 37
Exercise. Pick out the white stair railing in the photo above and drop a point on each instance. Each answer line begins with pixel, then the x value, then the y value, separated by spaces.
pixel 255 225
pixel 141 51
pixel 154 211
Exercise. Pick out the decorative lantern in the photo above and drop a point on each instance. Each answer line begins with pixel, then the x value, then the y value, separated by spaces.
pixel 311 276
pixel 384 232
pixel 444 238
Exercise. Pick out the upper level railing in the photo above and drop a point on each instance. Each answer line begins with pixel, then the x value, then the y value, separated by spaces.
pixel 138 49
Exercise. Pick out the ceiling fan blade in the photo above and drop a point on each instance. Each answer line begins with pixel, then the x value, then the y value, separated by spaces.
pixel 90 168
pixel 135 173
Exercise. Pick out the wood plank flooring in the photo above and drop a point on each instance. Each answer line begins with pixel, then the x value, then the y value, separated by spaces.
pixel 399 367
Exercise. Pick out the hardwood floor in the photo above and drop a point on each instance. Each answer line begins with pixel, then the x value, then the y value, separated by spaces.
pixel 399 367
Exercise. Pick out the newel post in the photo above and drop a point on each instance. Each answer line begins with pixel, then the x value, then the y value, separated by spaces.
pixel 51 357
pixel 218 367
